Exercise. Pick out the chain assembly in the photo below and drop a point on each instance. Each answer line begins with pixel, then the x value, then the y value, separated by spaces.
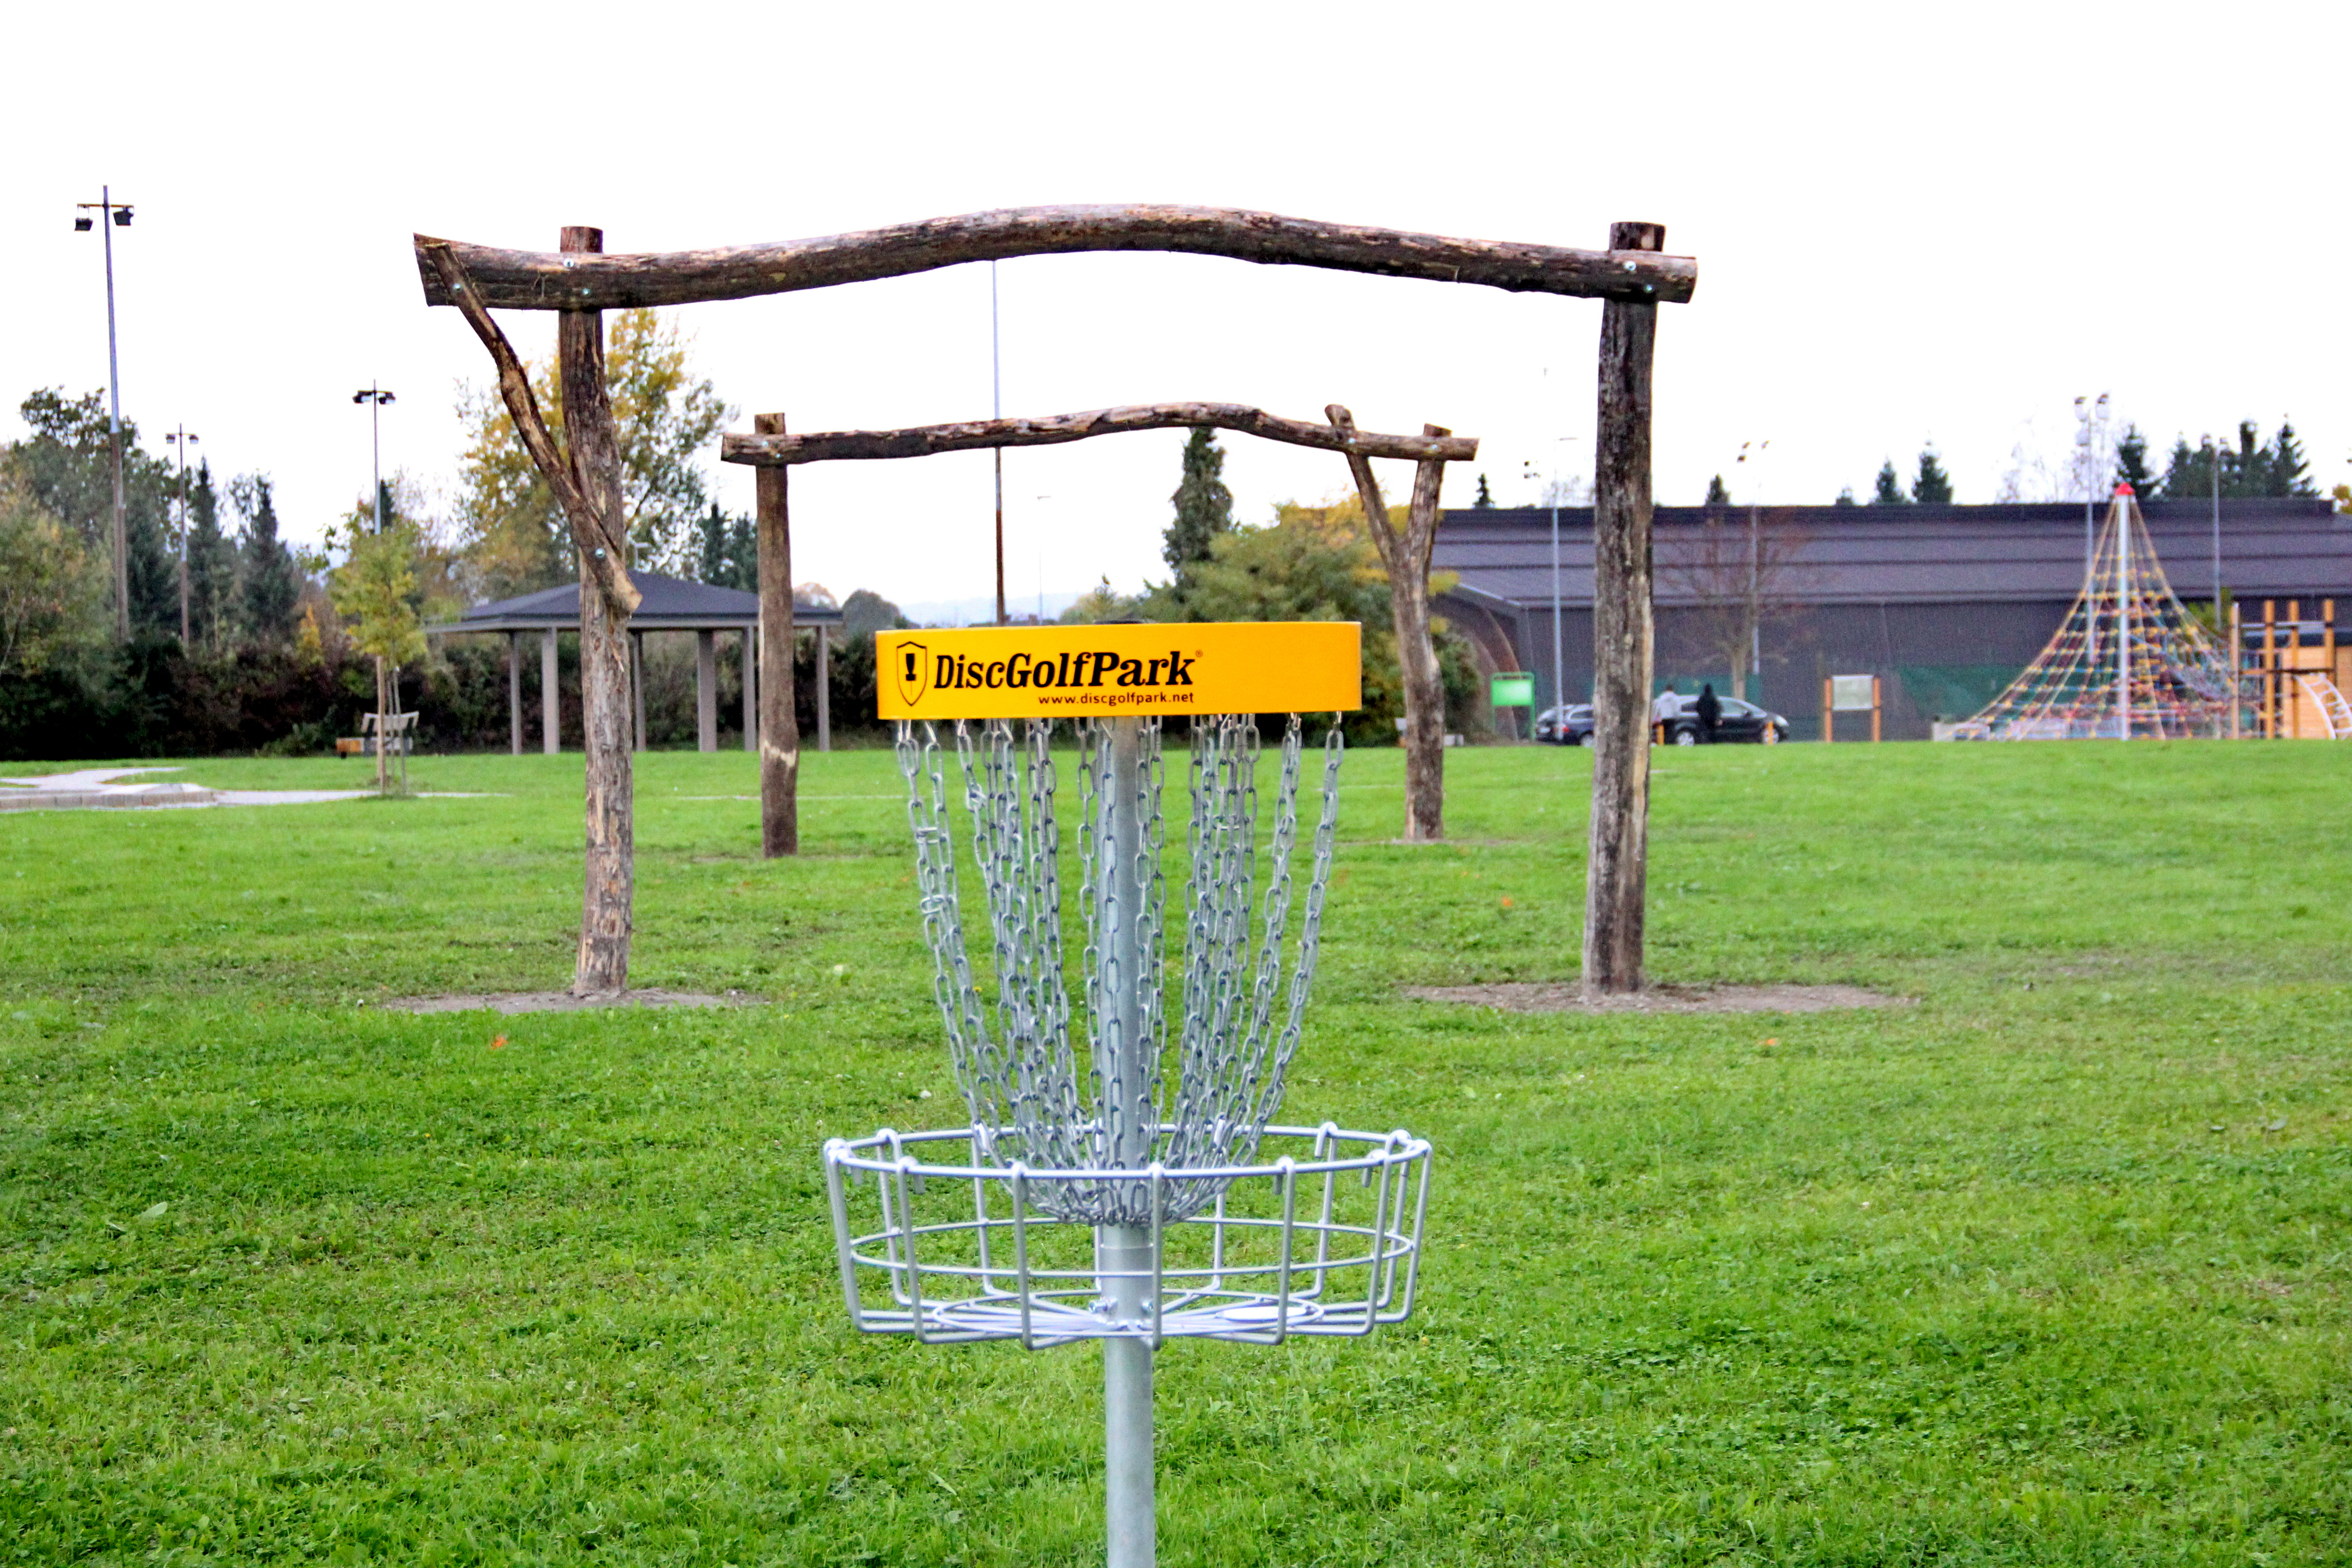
pixel 1130 1081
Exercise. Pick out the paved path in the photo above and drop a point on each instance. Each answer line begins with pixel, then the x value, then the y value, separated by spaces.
pixel 87 788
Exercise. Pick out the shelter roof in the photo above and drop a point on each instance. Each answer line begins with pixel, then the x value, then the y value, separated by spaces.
pixel 1915 554
pixel 670 604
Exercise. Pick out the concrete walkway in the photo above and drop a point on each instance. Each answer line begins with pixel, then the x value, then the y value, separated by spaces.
pixel 89 788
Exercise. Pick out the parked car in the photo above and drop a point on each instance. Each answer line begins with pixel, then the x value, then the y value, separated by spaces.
pixel 1739 721
pixel 1569 726
pixel 1572 725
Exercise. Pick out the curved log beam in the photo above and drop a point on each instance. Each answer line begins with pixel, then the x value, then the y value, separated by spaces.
pixel 923 440
pixel 550 280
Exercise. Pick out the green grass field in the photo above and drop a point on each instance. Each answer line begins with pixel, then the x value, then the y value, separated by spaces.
pixel 2049 1269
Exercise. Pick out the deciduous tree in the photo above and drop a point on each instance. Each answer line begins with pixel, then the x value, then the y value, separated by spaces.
pixel 375 591
pixel 52 590
pixel 666 420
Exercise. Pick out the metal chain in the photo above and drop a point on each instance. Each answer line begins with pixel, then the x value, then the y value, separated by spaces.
pixel 1030 1097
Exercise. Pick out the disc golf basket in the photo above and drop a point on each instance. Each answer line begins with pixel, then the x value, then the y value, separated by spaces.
pixel 1121 1177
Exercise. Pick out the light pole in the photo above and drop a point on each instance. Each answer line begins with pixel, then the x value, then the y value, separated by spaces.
pixel 375 397
pixel 2090 430
pixel 183 440
pixel 119 213
pixel 1751 456
pixel 1559 657
pixel 2213 457
pixel 996 411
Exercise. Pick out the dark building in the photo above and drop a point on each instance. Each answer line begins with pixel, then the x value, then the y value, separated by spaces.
pixel 1944 603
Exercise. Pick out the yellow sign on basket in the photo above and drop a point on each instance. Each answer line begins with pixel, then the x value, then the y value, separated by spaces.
pixel 1097 672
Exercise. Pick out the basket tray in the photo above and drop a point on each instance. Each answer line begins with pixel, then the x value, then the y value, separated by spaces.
pixel 1323 1239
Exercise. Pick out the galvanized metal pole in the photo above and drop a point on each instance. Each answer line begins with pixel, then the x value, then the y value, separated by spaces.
pixel 996 411
pixel 2215 452
pixel 180 439
pixel 1123 1260
pixel 1559 658
pixel 376 450
pixel 115 425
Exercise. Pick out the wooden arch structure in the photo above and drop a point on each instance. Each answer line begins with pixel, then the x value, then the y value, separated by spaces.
pixel 579 282
pixel 1405 556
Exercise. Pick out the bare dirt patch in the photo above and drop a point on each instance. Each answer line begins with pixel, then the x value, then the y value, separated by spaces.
pixel 1558 998
pixel 562 1001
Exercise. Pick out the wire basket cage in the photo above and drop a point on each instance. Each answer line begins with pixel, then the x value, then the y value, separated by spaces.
pixel 1322 1239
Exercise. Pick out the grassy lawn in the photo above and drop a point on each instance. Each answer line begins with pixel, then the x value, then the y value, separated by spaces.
pixel 2048 1268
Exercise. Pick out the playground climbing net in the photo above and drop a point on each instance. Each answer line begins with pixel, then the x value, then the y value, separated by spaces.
pixel 2129 661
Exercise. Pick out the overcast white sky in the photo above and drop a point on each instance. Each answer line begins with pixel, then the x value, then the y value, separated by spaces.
pixel 1913 223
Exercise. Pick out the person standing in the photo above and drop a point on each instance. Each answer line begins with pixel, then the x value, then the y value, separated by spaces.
pixel 1710 713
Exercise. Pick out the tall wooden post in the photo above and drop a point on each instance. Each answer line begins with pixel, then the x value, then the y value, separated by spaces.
pixel 2237 669
pixel 780 730
pixel 706 691
pixel 550 695
pixel 751 689
pixel 1615 877
pixel 609 885
pixel 824 688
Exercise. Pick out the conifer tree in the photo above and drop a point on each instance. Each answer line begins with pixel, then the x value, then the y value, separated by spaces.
pixel 2131 463
pixel 2290 474
pixel 1845 497
pixel 1932 487
pixel 1716 495
pixel 1204 507
pixel 269 587
pixel 1486 501
pixel 211 565
pixel 1890 486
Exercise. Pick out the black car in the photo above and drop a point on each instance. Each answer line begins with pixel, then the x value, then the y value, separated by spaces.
pixel 1572 725
pixel 1739 721
pixel 1569 726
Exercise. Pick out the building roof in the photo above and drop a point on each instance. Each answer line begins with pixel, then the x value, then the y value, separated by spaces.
pixel 670 604
pixel 1918 554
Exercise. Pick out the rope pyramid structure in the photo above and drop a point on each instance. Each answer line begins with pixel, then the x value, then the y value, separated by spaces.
pixel 2129 661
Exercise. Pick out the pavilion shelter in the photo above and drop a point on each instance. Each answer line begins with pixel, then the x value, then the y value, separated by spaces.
pixel 669 604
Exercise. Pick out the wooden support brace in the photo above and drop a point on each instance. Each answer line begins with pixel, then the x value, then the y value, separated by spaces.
pixel 923 440
pixel 539 281
pixel 600 550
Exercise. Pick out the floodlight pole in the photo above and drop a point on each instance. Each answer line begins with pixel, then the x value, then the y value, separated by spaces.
pixel 1125 1257
pixel 2213 454
pixel 996 411
pixel 180 439
pixel 108 207
pixel 375 397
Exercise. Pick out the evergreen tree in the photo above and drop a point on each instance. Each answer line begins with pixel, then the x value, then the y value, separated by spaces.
pixel 1932 486
pixel 2289 474
pixel 1890 486
pixel 728 552
pixel 1716 493
pixel 2131 463
pixel 269 586
pixel 1485 501
pixel 211 565
pixel 1845 497
pixel 1204 507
